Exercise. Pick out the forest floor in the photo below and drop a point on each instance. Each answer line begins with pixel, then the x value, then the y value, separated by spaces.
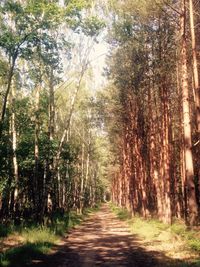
pixel 105 240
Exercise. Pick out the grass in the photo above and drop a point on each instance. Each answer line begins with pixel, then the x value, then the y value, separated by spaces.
pixel 175 241
pixel 122 214
pixel 191 237
pixel 37 241
pixel 19 256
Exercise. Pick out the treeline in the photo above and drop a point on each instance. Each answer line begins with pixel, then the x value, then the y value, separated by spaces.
pixel 48 142
pixel 154 98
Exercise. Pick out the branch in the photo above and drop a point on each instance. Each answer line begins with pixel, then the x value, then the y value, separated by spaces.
pixel 174 9
pixel 195 144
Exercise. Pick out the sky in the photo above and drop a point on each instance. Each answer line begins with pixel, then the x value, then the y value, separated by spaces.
pixel 98 62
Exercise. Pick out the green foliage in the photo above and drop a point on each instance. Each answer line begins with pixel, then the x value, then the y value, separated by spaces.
pixel 5 164
pixel 72 12
pixel 122 214
pixel 92 26
pixel 5 230
pixel 3 70
pixel 192 237
pixel 30 34
pixel 38 235
pixel 24 254
pixel 39 240
pixel 73 7
pixel 194 243
pixel 31 23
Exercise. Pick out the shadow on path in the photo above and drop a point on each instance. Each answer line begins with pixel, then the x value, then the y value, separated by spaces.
pixel 103 240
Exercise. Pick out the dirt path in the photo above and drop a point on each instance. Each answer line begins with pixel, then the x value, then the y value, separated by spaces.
pixel 102 240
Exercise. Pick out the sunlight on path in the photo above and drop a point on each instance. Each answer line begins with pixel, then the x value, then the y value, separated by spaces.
pixel 104 240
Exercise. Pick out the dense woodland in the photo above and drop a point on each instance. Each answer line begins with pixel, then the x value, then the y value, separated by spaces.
pixel 64 144
pixel 154 99
pixel 50 157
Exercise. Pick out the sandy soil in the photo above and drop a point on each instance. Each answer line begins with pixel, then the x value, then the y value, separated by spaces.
pixel 103 240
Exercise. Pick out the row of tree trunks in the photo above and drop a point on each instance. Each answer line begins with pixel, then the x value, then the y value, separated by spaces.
pixel 159 175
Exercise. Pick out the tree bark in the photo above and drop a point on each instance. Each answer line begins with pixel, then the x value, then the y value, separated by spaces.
pixel 10 77
pixel 36 152
pixel 187 131
pixel 195 67
pixel 14 149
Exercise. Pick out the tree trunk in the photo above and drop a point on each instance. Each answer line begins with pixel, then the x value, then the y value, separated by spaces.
pixel 195 67
pixel 166 158
pixel 36 153
pixel 51 107
pixel 82 179
pixel 10 77
pixel 14 148
pixel 187 131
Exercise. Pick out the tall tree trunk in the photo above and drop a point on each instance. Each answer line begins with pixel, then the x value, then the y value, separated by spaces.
pixel 187 131
pixel 10 77
pixel 195 67
pixel 154 173
pixel 196 87
pixel 81 201
pixel 14 149
pixel 36 203
pixel 53 176
pixel 51 107
pixel 67 126
pixel 166 157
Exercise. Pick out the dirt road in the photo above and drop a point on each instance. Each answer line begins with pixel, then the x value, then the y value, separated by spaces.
pixel 102 240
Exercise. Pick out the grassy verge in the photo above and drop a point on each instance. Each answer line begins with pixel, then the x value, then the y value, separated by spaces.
pixel 24 244
pixel 175 241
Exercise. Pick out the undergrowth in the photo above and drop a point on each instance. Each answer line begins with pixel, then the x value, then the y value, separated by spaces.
pixel 173 239
pixel 36 241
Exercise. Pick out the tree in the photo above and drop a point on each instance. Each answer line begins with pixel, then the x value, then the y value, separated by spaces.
pixel 145 70
pixel 189 167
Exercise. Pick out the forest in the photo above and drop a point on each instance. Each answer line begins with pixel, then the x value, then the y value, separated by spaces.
pixel 99 102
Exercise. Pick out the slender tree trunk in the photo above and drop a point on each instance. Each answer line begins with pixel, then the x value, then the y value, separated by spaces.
pixel 53 176
pixel 154 173
pixel 51 107
pixel 82 178
pixel 166 157
pixel 10 77
pixel 195 67
pixel 187 131
pixel 14 149
pixel 67 125
pixel 36 152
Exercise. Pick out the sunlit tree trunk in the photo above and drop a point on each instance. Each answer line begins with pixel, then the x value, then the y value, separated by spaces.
pixel 54 176
pixel 36 150
pixel 51 106
pixel 196 86
pixel 187 131
pixel 81 195
pixel 14 151
pixel 167 216
pixel 195 66
pixel 68 120
pixel 87 165
pixel 10 78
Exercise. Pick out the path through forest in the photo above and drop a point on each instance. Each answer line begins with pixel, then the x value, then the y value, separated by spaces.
pixel 103 240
